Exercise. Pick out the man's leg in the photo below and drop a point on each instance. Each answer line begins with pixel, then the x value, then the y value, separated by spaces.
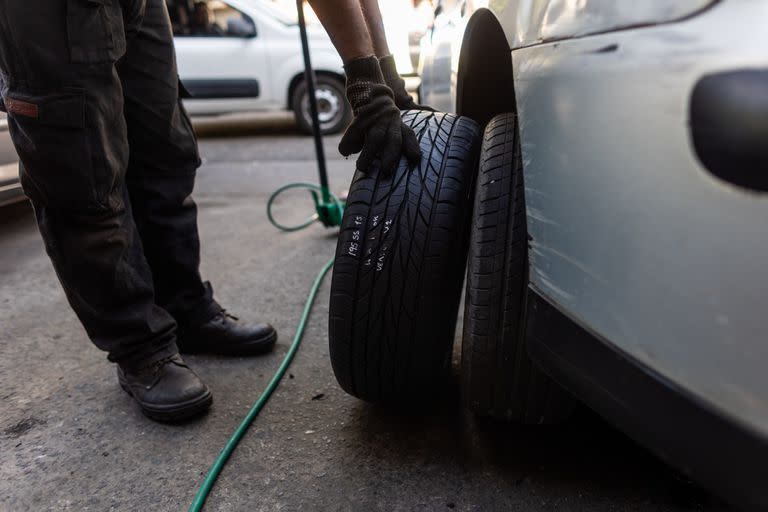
pixel 64 101
pixel 161 174
pixel 162 166
pixel 65 106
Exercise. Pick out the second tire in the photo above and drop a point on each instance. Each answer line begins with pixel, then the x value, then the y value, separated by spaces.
pixel 498 378
pixel 400 263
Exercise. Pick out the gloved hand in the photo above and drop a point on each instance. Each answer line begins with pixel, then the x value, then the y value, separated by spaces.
pixel 377 131
pixel 403 100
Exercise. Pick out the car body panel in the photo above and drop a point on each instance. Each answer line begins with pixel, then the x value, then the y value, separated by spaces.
pixel 630 234
pixel 532 22
pixel 529 22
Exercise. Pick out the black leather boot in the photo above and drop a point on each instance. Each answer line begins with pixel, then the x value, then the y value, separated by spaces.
pixel 166 389
pixel 223 335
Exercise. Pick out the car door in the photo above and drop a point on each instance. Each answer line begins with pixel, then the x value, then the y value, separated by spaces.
pixel 222 55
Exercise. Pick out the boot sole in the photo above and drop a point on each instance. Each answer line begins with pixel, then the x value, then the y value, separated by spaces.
pixel 253 347
pixel 176 412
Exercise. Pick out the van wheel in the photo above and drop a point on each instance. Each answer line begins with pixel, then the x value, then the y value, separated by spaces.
pixel 498 377
pixel 333 109
pixel 400 264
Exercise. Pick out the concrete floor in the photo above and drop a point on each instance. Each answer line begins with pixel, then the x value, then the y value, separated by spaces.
pixel 70 439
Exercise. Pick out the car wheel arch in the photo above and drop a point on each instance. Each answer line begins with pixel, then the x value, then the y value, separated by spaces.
pixel 483 91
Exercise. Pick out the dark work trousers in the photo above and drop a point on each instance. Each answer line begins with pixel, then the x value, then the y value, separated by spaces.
pixel 108 160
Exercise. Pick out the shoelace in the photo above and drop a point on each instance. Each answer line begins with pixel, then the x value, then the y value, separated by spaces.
pixel 155 367
pixel 158 365
pixel 227 314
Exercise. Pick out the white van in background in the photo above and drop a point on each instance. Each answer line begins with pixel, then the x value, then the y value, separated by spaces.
pixel 245 55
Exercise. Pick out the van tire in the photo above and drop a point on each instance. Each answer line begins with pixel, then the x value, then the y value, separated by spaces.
pixel 332 100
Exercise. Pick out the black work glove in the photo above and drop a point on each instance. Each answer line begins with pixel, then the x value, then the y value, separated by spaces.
pixel 403 100
pixel 377 132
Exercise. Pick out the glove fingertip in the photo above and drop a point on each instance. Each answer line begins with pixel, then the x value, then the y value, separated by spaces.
pixel 366 160
pixel 390 161
pixel 349 145
pixel 411 148
pixel 413 160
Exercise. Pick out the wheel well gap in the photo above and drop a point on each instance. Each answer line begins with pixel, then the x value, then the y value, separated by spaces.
pixel 485 82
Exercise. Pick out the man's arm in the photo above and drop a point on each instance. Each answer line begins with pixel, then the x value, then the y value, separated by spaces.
pixel 377 132
pixel 345 24
pixel 375 23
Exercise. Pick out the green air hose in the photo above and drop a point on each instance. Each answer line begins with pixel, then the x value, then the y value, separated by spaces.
pixel 328 207
pixel 329 211
pixel 237 435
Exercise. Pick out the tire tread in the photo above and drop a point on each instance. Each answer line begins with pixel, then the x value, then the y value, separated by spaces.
pixel 392 320
pixel 498 378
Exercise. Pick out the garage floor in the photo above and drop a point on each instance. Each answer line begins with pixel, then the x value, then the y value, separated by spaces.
pixel 70 439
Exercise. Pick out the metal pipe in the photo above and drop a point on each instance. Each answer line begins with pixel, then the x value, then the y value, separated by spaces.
pixel 309 75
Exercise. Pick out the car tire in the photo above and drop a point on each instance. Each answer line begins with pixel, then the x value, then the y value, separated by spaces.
pixel 334 110
pixel 499 379
pixel 400 264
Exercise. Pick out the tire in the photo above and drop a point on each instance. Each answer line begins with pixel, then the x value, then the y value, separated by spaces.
pixel 498 377
pixel 400 264
pixel 334 110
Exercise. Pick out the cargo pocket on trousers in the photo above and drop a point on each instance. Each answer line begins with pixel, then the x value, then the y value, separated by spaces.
pixel 95 31
pixel 61 168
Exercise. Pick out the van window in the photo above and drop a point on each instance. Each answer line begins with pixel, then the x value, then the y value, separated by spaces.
pixel 208 18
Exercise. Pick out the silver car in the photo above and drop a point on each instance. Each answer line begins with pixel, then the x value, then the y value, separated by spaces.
pixel 620 223
pixel 10 188
pixel 438 49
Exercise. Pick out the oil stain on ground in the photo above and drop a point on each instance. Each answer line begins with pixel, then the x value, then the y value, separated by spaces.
pixel 21 427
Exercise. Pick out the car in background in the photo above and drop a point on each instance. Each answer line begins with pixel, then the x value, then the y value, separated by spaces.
pixel 10 187
pixel 439 49
pixel 619 241
pixel 245 55
pixel 418 24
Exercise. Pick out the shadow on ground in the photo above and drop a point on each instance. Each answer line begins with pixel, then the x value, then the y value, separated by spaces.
pixel 581 455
